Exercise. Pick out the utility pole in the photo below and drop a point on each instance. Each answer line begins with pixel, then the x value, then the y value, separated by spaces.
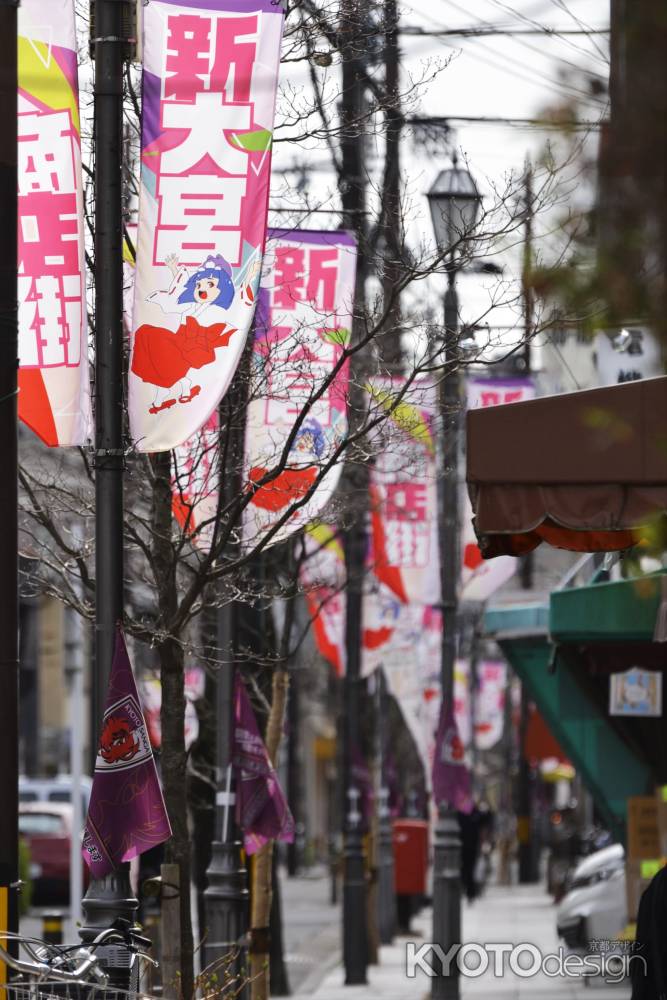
pixel 353 185
pixel 391 357
pixel 389 339
pixel 386 895
pixel 110 897
pixel 527 561
pixel 447 842
pixel 528 296
pixel 9 596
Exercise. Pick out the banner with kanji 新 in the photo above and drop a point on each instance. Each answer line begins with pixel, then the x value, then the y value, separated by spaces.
pixel 209 92
pixel 54 388
pixel 297 413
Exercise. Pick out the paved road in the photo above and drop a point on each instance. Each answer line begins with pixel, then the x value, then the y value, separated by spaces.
pixel 521 914
pixel 311 926
pixel 312 940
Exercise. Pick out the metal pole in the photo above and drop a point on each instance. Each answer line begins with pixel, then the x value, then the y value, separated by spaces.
pixel 386 897
pixel 523 820
pixel 447 846
pixel 527 563
pixel 9 599
pixel 74 675
pixel 293 772
pixel 355 928
pixel 226 896
pixel 111 897
pixel 355 931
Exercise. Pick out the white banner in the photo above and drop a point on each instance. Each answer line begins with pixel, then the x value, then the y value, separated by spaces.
pixel 54 381
pixel 297 414
pixel 209 87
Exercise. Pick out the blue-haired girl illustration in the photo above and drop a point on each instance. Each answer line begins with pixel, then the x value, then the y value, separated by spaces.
pixel 164 358
pixel 300 473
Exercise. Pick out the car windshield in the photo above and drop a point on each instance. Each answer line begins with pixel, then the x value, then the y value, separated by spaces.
pixel 41 824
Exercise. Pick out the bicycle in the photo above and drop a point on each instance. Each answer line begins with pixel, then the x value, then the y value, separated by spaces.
pixel 77 972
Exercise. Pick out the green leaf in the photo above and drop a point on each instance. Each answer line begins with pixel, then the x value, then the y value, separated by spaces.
pixel 253 142
pixel 340 336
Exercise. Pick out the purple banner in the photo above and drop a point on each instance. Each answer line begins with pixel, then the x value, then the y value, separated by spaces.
pixel 126 815
pixel 451 777
pixel 261 808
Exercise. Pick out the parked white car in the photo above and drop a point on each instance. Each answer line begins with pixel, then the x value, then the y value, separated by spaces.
pixel 595 907
pixel 56 789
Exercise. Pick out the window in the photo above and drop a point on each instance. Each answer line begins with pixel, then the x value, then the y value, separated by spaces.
pixel 41 825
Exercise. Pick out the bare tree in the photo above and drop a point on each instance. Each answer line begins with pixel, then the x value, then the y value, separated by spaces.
pixel 178 568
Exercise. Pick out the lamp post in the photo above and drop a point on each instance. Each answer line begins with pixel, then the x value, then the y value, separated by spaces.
pixel 454 202
pixel 110 897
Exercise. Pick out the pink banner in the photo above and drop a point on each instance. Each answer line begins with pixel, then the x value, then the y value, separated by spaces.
pixel 298 409
pixel 403 488
pixel 54 389
pixel 209 89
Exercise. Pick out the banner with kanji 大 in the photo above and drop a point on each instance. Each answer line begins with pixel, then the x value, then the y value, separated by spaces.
pixel 209 92
pixel 54 387
pixel 297 413
pixel 403 489
pixel 482 577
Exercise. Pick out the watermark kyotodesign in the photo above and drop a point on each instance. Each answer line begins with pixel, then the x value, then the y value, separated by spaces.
pixel 524 960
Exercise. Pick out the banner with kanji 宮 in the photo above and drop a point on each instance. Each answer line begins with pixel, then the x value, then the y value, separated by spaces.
pixel 209 91
pixel 54 388
pixel 481 577
pixel 403 489
pixel 297 414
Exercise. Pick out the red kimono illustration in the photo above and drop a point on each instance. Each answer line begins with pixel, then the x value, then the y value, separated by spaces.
pixel 288 486
pixel 164 358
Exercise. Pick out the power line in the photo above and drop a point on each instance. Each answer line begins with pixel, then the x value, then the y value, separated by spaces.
pixel 544 123
pixel 534 79
pixel 509 32
pixel 578 21
pixel 557 88
pixel 535 24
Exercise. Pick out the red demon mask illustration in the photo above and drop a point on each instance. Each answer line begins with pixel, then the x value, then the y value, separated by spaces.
pixel 117 742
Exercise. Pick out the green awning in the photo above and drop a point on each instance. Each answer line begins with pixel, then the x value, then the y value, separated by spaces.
pixel 621 611
pixel 611 769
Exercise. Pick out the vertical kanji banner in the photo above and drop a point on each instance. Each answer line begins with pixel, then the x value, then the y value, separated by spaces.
pixel 209 92
pixel 322 577
pixel 403 490
pixel 480 577
pixel 298 409
pixel 54 387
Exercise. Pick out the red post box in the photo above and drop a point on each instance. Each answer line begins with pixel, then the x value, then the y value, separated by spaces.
pixel 410 856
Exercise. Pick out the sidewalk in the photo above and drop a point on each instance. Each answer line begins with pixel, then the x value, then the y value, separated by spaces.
pixel 520 914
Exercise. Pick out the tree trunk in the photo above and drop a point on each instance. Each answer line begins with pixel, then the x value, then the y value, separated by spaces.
pixel 262 868
pixel 172 713
pixel 279 980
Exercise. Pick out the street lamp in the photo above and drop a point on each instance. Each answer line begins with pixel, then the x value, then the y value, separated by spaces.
pixel 454 202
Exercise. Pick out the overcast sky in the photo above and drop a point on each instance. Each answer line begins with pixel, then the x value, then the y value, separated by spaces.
pixel 495 76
